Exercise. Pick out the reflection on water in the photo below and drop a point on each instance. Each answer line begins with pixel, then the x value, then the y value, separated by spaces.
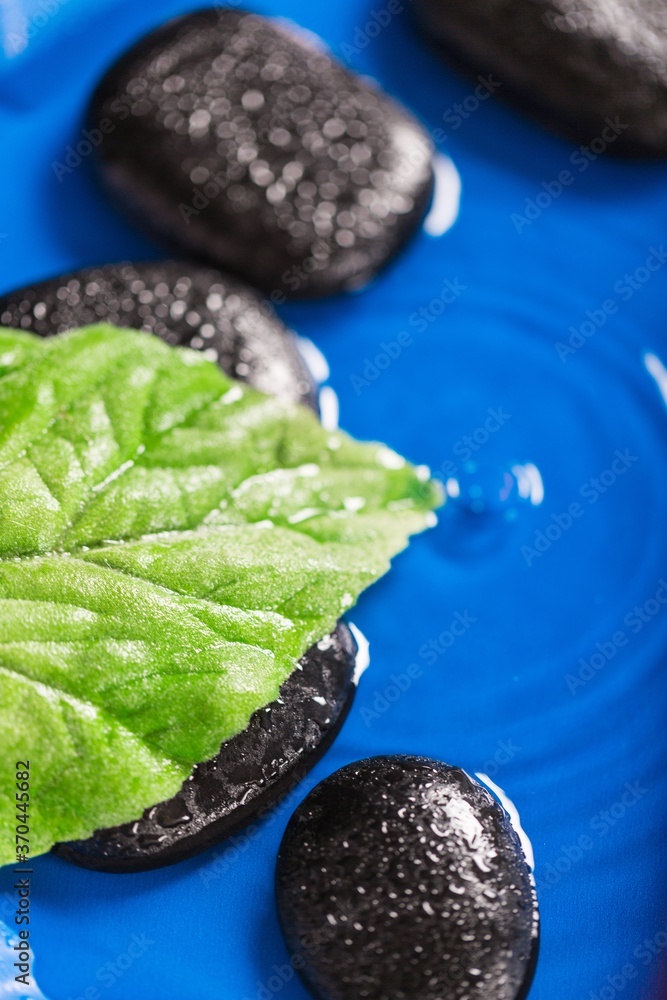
pixel 9 988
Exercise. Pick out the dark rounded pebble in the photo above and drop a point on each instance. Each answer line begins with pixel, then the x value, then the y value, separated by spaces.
pixel 401 878
pixel 578 65
pixel 252 772
pixel 230 136
pixel 183 304
pixel 206 310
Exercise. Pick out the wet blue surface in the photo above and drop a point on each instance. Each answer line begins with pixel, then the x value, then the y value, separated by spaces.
pixel 555 684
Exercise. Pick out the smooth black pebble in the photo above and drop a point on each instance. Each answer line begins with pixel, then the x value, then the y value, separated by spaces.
pixel 230 136
pixel 208 311
pixel 249 776
pixel 576 64
pixel 401 878
pixel 182 304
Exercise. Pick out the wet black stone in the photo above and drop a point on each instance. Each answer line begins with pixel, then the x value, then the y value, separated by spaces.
pixel 251 774
pixel 183 304
pixel 229 136
pixel 401 878
pixel 572 63
pixel 206 310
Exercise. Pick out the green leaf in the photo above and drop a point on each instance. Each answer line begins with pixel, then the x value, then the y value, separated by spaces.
pixel 171 542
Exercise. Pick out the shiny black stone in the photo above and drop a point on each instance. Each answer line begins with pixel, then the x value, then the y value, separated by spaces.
pixel 183 304
pixel 249 776
pixel 206 310
pixel 575 64
pixel 401 878
pixel 230 136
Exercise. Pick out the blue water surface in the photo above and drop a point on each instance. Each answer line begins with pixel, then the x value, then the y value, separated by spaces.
pixel 534 612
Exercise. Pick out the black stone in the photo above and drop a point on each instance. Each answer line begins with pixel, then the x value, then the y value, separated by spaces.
pixel 401 878
pixel 231 137
pixel 571 63
pixel 206 310
pixel 252 772
pixel 183 304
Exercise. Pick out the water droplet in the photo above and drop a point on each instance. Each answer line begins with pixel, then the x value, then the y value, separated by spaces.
pixel 173 813
pixel 483 503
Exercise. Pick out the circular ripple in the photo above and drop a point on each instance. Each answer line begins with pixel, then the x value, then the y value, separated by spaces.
pixel 556 473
